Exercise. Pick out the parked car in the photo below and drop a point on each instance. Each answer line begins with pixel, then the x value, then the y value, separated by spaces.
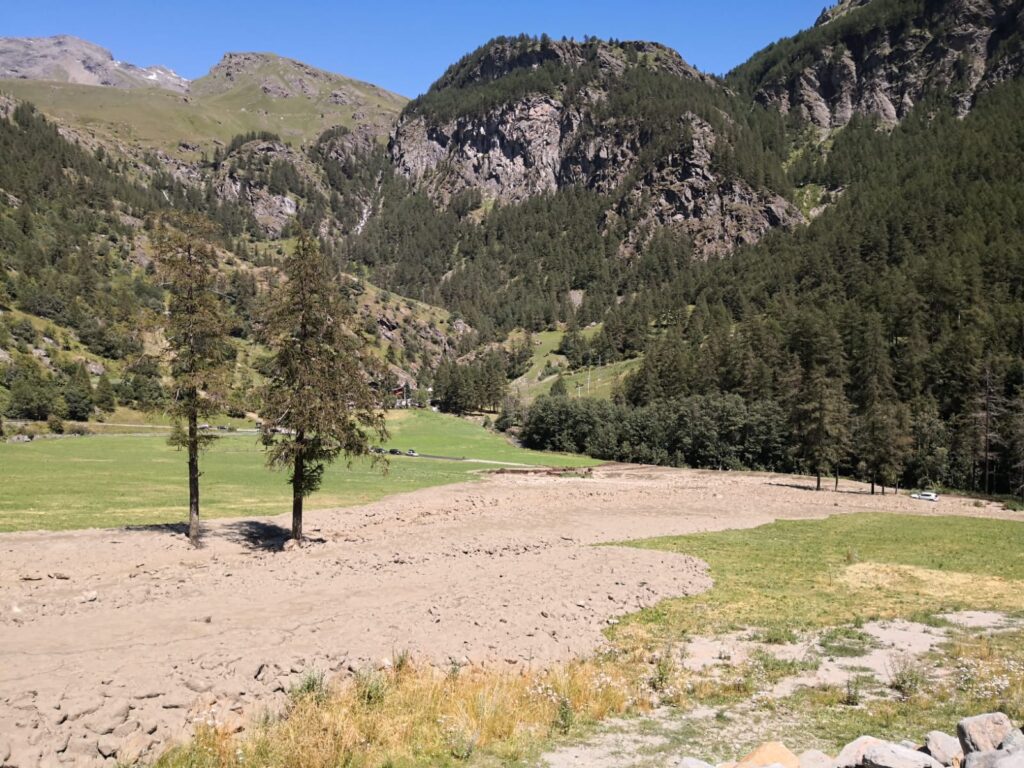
pixel 411 452
pixel 395 452
pixel 376 449
pixel 925 496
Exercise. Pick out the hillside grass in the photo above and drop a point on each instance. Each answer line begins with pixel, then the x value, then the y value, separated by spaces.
pixel 115 480
pixel 800 575
pixel 599 382
pixel 159 119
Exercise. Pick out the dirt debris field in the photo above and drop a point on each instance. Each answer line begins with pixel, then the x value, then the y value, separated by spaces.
pixel 129 637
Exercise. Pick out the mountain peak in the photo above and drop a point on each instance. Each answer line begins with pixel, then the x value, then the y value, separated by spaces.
pixel 502 56
pixel 841 8
pixel 69 59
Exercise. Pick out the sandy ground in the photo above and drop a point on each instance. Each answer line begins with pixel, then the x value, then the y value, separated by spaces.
pixel 114 642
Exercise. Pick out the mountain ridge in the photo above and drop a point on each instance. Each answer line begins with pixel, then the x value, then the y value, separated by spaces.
pixel 66 58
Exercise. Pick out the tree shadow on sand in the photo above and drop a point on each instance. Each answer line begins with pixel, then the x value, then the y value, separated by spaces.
pixel 257 535
pixel 826 487
pixel 173 529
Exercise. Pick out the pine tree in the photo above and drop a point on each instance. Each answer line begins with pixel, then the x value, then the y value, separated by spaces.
pixel 78 394
pixel 882 438
pixel 103 397
pixel 317 403
pixel 558 389
pixel 820 423
pixel 195 327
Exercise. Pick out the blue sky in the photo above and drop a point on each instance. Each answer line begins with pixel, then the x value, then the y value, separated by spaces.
pixel 401 45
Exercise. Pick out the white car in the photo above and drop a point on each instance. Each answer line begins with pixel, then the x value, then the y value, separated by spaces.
pixel 925 496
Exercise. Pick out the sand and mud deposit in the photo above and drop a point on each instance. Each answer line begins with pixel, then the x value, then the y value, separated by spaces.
pixel 113 643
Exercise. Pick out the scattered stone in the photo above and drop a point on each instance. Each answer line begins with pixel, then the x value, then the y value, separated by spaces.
pixel 107 746
pixel 126 729
pixel 88 597
pixel 5 751
pixel 983 733
pixel 134 747
pixel 894 756
pixel 198 686
pixel 692 762
pixel 944 748
pixel 77 709
pixel 770 753
pixel 815 758
pixel 852 755
pixel 83 747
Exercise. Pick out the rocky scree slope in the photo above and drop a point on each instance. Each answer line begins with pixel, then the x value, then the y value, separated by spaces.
pixel 879 58
pixel 667 145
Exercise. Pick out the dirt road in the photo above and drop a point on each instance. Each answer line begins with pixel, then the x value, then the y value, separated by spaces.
pixel 113 643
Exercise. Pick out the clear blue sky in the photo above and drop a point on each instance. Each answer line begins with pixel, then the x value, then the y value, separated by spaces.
pixel 400 45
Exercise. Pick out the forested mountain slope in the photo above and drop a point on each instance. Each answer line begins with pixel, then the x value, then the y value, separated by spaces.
pixel 881 58
pixel 628 122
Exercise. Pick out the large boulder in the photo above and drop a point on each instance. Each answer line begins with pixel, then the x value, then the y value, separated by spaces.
pixel 886 755
pixel 852 755
pixel 769 753
pixel 944 748
pixel 996 758
pixel 983 733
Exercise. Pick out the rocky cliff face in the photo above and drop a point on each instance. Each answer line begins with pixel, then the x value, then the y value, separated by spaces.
pixel 546 138
pixel 881 57
pixel 70 60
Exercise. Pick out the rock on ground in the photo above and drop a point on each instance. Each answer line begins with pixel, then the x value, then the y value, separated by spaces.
pixel 983 733
pixel 943 747
pixel 896 756
pixel 997 758
pixel 852 755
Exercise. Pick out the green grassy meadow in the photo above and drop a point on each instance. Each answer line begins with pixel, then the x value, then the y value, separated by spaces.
pixel 599 382
pixel 114 480
pixel 805 575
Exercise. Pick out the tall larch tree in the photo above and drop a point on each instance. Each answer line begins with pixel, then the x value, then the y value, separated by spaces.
pixel 317 403
pixel 195 327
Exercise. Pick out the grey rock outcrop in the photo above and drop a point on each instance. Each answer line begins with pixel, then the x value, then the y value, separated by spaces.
pixel 883 66
pixel 543 142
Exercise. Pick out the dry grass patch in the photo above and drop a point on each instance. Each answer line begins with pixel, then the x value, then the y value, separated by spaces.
pixel 895 581
pixel 417 715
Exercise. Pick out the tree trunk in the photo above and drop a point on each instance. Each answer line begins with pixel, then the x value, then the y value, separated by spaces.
pixel 193 478
pixel 817 477
pixel 836 489
pixel 872 486
pixel 298 485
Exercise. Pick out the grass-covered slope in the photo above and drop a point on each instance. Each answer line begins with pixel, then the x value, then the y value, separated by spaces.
pixel 245 93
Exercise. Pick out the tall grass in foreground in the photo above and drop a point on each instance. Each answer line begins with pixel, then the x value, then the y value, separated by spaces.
pixel 418 715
